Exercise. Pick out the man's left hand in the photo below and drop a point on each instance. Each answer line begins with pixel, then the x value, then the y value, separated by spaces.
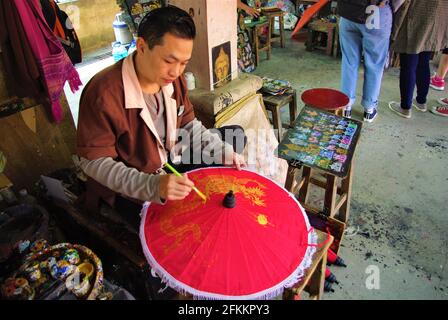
pixel 237 161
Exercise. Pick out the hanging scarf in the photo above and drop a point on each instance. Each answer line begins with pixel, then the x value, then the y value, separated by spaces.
pixel 54 64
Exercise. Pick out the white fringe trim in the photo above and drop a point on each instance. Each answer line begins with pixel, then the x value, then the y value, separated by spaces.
pixel 267 294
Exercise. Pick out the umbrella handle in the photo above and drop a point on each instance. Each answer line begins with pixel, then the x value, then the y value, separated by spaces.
pixel 318 245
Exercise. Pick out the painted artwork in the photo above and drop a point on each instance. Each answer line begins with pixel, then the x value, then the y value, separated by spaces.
pixel 137 9
pixel 221 58
pixel 321 140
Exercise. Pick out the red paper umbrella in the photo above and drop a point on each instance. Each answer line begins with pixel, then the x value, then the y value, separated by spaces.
pixel 251 251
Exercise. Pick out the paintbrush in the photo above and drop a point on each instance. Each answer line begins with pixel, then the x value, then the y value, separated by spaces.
pixel 179 175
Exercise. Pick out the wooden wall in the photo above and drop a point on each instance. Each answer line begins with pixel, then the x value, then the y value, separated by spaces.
pixel 31 154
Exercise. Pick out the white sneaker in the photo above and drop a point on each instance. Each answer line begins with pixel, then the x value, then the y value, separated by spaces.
pixel 396 107
pixel 420 107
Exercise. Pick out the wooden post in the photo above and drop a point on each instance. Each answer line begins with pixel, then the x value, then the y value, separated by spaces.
pixel 216 24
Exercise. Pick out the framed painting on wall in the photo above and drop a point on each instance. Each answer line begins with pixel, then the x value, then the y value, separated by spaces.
pixel 137 9
pixel 221 58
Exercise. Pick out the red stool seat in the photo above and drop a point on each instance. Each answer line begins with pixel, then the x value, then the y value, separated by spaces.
pixel 325 99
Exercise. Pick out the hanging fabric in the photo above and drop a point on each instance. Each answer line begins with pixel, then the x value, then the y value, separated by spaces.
pixel 54 64
pixel 62 28
pixel 21 70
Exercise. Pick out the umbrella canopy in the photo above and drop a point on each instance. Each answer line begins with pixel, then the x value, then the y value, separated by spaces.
pixel 251 251
pixel 307 15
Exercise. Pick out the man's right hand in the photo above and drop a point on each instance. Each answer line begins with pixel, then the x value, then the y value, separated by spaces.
pixel 253 12
pixel 174 188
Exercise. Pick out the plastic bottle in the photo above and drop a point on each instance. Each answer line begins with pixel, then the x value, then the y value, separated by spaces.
pixel 132 47
pixel 119 51
pixel 26 198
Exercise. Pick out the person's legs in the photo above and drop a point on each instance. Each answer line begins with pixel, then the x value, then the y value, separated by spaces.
pixel 408 70
pixel 408 78
pixel 351 47
pixel 376 46
pixel 443 64
pixel 422 80
pixel 438 81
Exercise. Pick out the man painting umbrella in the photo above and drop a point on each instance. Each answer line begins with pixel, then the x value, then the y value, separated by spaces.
pixel 131 113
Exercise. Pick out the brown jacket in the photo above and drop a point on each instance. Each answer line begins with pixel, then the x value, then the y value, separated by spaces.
pixel 420 25
pixel 107 127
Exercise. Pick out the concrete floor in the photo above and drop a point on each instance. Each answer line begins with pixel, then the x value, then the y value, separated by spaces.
pixel 398 211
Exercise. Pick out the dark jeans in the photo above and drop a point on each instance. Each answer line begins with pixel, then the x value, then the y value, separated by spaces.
pixel 414 70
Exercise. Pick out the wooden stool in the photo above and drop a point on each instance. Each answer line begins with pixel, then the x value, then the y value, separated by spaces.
pixel 326 99
pixel 333 186
pixel 271 14
pixel 333 101
pixel 314 279
pixel 275 103
pixel 318 28
pixel 257 31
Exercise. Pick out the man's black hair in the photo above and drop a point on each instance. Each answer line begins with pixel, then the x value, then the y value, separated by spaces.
pixel 163 20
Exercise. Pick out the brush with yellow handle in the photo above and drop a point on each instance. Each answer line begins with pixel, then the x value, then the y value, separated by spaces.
pixel 179 175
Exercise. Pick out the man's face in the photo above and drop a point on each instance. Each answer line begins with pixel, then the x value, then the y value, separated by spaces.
pixel 166 62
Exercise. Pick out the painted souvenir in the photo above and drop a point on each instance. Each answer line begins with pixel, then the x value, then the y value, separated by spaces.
pixel 341 151
pixel 344 146
pixel 294 147
pixel 72 256
pixel 20 282
pixel 23 245
pixel 323 163
pixel 307 124
pixel 331 147
pixel 340 132
pixel 316 134
pixel 313 140
pixel 311 113
pixel 56 254
pixel 312 150
pixel 336 137
pixel 346 141
pixel 336 166
pixel 308 118
pixel 33 271
pixel 340 157
pixel 327 154
pixel 298 136
pixel 324 144
pixel 38 245
pixel 335 142
pixel 352 125
pixel 62 269
pixel 136 9
pixel 79 281
pixel 350 131
pixel 304 130
pixel 309 159
pixel 343 123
